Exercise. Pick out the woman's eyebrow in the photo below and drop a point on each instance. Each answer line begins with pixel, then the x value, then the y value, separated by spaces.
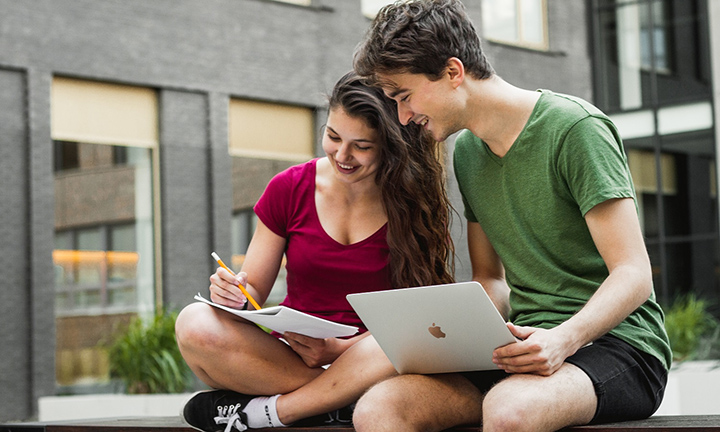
pixel 360 140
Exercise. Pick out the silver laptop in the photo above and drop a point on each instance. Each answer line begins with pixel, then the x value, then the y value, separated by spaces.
pixel 434 329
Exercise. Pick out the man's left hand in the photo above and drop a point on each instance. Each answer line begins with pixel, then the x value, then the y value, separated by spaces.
pixel 539 351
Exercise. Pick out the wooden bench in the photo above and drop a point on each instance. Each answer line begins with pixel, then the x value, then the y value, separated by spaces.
pixel 705 423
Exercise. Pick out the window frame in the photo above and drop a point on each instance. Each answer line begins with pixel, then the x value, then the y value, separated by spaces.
pixel 519 41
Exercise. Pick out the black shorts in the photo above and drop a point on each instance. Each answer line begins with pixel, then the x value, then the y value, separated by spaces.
pixel 628 382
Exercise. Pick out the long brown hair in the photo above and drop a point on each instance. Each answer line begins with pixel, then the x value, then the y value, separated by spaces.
pixel 412 183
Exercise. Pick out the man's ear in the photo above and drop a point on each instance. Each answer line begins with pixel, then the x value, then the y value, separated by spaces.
pixel 456 71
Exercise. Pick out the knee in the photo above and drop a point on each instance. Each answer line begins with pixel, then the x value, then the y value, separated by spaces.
pixel 193 326
pixel 500 414
pixel 378 410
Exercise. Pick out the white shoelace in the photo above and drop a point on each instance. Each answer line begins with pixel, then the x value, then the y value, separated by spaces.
pixel 229 415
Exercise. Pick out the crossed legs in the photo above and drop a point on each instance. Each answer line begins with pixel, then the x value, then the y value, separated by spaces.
pixel 229 353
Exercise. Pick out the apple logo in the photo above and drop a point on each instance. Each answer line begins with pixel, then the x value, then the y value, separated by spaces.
pixel 436 331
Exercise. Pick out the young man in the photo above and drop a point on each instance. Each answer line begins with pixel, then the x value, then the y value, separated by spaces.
pixel 553 234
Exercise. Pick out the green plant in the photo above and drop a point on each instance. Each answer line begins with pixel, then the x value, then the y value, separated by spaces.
pixel 146 358
pixel 694 332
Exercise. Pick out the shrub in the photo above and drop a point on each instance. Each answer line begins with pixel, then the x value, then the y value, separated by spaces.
pixel 146 358
pixel 694 332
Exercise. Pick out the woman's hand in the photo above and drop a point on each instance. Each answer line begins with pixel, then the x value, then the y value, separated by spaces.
pixel 224 288
pixel 317 352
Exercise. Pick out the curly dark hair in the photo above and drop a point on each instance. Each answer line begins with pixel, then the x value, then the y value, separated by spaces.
pixel 412 184
pixel 419 37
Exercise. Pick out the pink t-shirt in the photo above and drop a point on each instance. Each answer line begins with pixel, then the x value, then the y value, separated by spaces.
pixel 320 271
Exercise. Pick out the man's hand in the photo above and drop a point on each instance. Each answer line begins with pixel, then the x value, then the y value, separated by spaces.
pixel 539 351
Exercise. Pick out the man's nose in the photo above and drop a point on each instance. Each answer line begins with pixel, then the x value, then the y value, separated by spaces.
pixel 404 114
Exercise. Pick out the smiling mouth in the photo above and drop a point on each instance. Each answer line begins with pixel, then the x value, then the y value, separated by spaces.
pixel 424 121
pixel 345 168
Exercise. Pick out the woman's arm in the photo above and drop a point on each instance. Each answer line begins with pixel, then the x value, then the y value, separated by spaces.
pixel 259 271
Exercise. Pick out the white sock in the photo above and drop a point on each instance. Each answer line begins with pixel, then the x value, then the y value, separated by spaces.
pixel 262 412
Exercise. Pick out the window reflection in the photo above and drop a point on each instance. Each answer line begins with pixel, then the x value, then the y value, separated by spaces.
pixel 650 52
pixel 103 253
pixel 652 76
pixel 250 176
pixel 243 226
pixel 655 36
pixel 677 204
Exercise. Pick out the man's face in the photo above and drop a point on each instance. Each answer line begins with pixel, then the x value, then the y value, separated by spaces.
pixel 423 101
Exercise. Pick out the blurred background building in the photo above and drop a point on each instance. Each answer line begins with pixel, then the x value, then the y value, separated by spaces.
pixel 135 137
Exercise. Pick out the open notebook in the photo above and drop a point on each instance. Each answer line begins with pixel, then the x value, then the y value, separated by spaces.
pixel 282 319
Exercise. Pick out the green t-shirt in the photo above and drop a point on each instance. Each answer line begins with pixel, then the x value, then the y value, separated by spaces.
pixel 531 204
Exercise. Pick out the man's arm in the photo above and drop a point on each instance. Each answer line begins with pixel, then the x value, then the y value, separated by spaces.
pixel 615 229
pixel 487 268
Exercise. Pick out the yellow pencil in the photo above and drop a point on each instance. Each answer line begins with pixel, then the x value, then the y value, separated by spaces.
pixel 242 288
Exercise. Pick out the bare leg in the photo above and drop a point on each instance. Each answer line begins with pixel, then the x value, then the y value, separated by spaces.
pixel 518 403
pixel 535 403
pixel 358 368
pixel 229 353
pixel 418 403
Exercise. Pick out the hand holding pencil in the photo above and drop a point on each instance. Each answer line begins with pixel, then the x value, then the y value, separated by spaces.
pixel 221 284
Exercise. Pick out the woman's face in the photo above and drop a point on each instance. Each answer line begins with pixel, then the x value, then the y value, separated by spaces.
pixel 351 146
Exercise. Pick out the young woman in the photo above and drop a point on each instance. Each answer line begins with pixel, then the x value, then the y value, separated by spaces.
pixel 370 215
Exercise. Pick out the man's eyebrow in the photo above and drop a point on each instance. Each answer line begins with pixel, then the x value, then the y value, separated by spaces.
pixel 394 92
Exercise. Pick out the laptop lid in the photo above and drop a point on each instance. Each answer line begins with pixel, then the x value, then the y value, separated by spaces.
pixel 434 329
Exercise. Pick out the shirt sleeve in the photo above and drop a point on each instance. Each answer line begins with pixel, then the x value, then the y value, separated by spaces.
pixel 593 162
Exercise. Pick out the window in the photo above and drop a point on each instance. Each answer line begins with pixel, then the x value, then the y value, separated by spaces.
pixel 655 36
pixel 370 8
pixel 652 69
pixel 105 139
pixel 243 226
pixel 650 52
pixel 517 22
pixel 677 203
pixel 100 216
pixel 265 138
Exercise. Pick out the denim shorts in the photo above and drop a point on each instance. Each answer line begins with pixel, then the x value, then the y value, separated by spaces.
pixel 629 383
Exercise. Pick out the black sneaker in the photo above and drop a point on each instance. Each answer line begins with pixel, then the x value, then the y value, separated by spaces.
pixel 340 417
pixel 216 410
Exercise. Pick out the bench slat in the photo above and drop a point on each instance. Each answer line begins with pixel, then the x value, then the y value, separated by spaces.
pixel 698 423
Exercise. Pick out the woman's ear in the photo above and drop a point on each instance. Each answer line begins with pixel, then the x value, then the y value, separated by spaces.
pixel 455 71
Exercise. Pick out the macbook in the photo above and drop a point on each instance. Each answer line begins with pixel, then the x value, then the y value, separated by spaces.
pixel 434 329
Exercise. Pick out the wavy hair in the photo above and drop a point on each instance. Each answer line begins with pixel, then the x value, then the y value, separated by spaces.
pixel 419 37
pixel 412 184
